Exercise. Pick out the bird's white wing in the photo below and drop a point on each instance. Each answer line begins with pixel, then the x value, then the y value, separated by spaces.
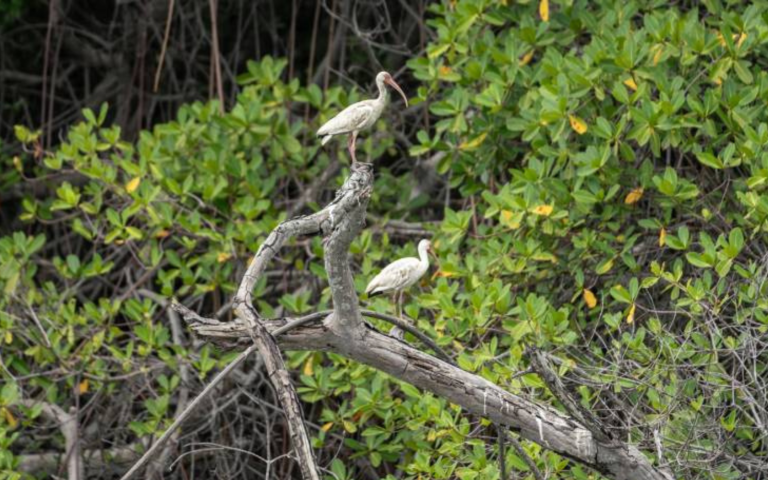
pixel 395 276
pixel 351 118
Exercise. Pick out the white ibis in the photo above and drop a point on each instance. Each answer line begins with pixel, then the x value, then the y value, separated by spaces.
pixel 401 274
pixel 360 115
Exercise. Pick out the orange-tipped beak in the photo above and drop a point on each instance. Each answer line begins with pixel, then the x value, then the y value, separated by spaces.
pixel 394 85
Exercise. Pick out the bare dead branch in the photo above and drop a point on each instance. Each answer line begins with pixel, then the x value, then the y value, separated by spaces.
pixel 343 332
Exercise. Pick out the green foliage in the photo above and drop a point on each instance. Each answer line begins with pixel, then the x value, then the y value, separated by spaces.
pixel 10 10
pixel 613 151
pixel 608 203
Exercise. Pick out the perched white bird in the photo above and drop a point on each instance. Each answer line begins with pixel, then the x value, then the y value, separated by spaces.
pixel 360 115
pixel 401 274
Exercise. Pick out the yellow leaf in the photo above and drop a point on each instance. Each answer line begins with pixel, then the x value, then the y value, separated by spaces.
pixel 741 39
pixel 544 10
pixel 512 219
pixel 657 55
pixel 721 39
pixel 223 257
pixel 630 82
pixel 545 210
pixel 443 273
pixel 459 347
pixel 718 81
pixel 17 163
pixel 83 387
pixel 9 418
pixel 631 314
pixel 162 234
pixel 577 124
pixel 662 237
pixel 8 337
pixel 309 366
pixel 131 186
pixel 444 70
pixel 326 427
pixel 634 196
pixel 589 298
pixel 474 143
pixel 526 59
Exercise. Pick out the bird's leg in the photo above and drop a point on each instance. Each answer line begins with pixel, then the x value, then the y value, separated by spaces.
pixel 395 331
pixel 400 305
pixel 351 141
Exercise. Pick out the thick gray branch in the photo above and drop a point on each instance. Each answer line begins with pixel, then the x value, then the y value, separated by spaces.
pixel 342 220
pixel 539 423
pixel 349 223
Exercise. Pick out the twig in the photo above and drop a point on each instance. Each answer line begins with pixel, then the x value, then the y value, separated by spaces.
pixel 412 330
pixel 542 367
pixel 188 411
pixel 156 470
pixel 526 458
pixel 38 324
pixel 191 315
pixel 216 54
pixel 164 48
pixel 501 432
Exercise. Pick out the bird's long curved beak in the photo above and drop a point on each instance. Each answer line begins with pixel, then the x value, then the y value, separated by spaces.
pixel 394 85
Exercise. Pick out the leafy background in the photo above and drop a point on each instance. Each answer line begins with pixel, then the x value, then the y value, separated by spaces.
pixel 593 175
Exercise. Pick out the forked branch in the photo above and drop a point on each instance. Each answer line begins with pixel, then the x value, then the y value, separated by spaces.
pixel 344 332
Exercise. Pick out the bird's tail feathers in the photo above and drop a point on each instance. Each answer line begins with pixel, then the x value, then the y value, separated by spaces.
pixel 326 139
pixel 373 294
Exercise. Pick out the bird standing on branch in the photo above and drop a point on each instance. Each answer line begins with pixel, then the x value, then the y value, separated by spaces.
pixel 360 115
pixel 401 274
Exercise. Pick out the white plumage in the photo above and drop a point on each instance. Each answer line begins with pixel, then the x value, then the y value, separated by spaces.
pixel 360 115
pixel 401 274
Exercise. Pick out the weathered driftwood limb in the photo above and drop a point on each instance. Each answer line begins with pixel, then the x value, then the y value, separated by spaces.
pixel 343 332
pixel 341 221
pixel 539 423
pixel 333 218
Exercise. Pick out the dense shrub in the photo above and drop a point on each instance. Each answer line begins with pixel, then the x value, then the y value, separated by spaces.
pixel 604 168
